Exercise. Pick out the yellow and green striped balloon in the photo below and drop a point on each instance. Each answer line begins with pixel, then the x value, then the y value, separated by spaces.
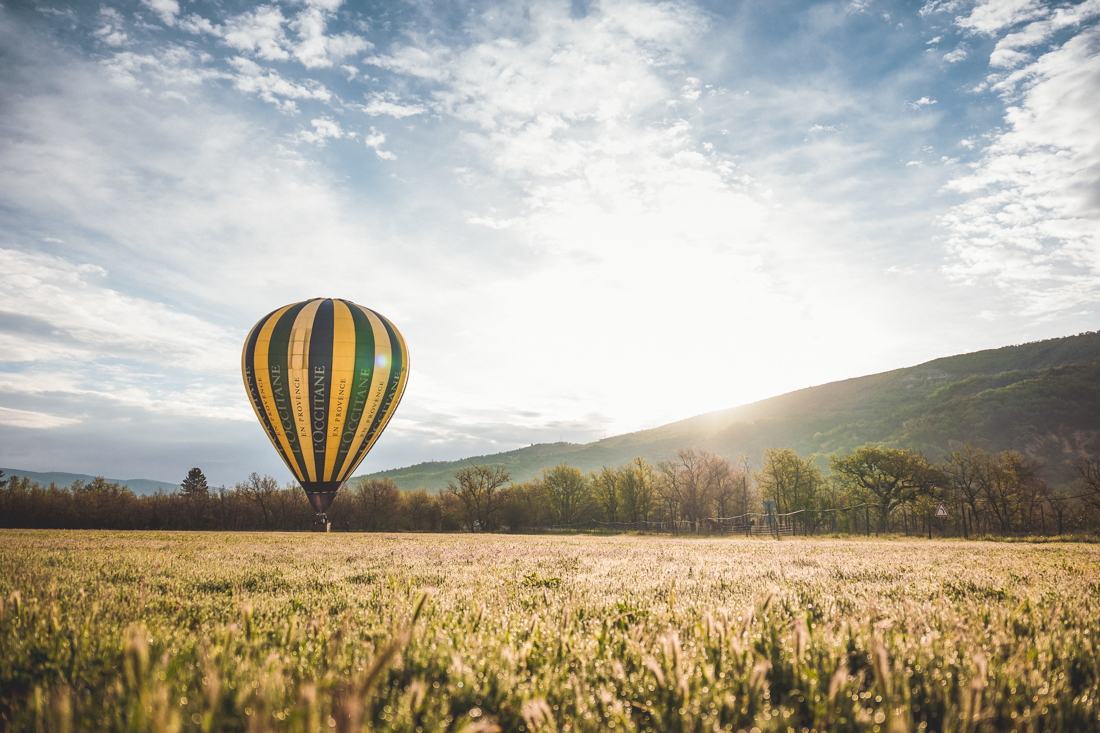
pixel 324 376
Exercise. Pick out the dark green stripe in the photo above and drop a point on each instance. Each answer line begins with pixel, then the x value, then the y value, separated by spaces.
pixel 278 352
pixel 253 389
pixel 360 383
pixel 320 382
pixel 397 368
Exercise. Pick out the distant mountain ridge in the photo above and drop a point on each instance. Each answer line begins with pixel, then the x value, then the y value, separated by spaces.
pixel 1042 398
pixel 140 486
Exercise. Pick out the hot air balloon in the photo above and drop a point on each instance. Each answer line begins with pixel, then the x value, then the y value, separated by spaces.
pixel 324 376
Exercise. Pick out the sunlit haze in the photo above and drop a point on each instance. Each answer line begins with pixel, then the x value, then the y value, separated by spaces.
pixel 586 218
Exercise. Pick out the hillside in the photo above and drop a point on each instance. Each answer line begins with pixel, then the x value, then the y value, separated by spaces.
pixel 1042 398
pixel 140 486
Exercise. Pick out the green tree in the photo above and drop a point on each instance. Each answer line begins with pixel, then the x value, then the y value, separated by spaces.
pixel 605 490
pixel 194 484
pixel 529 505
pixel 422 509
pixel 636 490
pixel 478 489
pixel 568 491
pixel 196 495
pixel 1012 488
pixel 889 477
pixel 790 481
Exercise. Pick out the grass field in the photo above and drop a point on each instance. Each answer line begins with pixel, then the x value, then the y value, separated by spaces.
pixel 300 632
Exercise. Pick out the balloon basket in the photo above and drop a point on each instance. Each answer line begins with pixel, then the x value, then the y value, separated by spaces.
pixel 318 526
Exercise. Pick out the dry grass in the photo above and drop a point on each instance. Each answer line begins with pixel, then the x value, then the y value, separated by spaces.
pixel 179 631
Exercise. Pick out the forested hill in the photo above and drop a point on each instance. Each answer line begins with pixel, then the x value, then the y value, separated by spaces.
pixel 1041 398
pixel 140 486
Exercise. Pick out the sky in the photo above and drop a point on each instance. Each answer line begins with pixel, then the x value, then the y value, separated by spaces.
pixel 586 218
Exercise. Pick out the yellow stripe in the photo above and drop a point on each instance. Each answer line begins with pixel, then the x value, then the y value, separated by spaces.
pixel 379 379
pixel 298 366
pixel 397 394
pixel 263 386
pixel 244 373
pixel 343 370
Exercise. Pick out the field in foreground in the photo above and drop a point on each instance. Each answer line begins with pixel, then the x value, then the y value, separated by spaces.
pixel 297 632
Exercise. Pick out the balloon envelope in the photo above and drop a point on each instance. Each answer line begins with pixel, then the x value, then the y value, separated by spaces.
pixel 324 376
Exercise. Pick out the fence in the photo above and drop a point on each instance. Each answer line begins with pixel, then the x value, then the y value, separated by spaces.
pixel 962 521
pixel 752 524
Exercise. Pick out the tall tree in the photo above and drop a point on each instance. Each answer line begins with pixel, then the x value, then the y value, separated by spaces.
pixel 889 477
pixel 1012 489
pixel 478 489
pixel 379 499
pixel 788 480
pixel 964 470
pixel 261 492
pixel 695 482
pixel 636 490
pixel 194 484
pixel 529 505
pixel 1090 480
pixel 668 487
pixel 726 483
pixel 605 490
pixel 421 508
pixel 568 491
pixel 196 495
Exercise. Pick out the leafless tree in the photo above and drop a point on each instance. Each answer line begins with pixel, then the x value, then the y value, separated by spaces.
pixel 1090 480
pixel 379 499
pixel 478 489
pixel 261 492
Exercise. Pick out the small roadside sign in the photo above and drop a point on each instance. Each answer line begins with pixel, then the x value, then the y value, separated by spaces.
pixel 941 511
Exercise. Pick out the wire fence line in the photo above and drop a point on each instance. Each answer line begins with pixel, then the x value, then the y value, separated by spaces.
pixel 749 523
pixel 820 520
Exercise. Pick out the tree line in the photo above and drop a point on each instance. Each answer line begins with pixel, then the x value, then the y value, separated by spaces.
pixel 871 490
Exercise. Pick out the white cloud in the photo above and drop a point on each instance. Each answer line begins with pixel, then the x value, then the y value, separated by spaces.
pixel 33 420
pixel 171 71
pixel 955 56
pixel 111 32
pixel 166 9
pixel 922 102
pixel 196 24
pixel 488 221
pixel 323 130
pixel 1007 53
pixel 990 16
pixel 80 317
pixel 375 140
pixel 263 32
pixel 388 103
pixel 273 87
pixel 318 50
pixel 259 31
pixel 1032 220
